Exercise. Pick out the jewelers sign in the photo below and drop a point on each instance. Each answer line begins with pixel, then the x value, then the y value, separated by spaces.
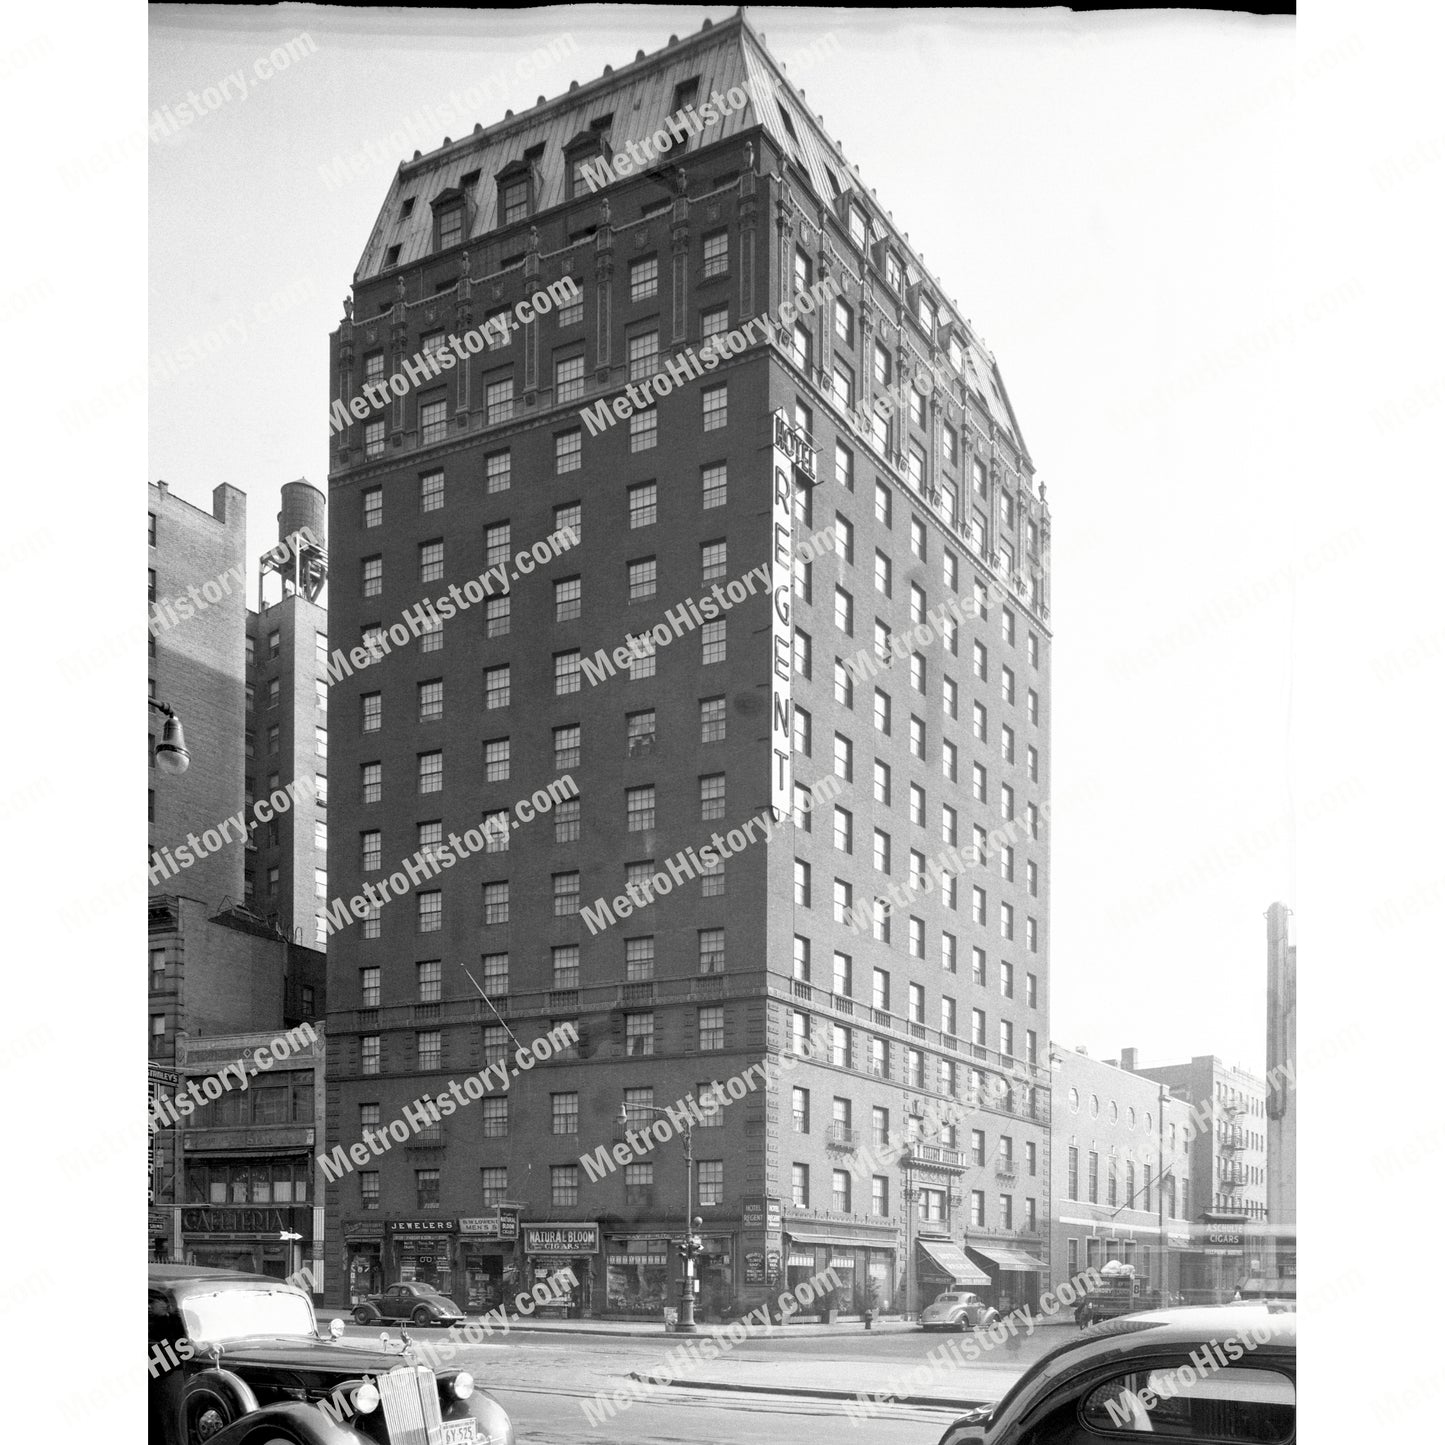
pixel 791 453
pixel 560 1238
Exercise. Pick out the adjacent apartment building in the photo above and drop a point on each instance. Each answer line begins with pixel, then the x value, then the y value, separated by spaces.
pixel 216 966
pixel 1228 1162
pixel 250 1153
pixel 575 485
pixel 286 722
pixel 1122 1178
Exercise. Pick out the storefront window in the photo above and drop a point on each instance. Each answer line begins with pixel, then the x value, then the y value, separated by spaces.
pixel 801 1266
pixel 426 1261
pixel 637 1271
pixel 848 1298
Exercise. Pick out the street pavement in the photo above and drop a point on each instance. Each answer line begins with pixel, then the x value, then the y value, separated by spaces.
pixel 792 1385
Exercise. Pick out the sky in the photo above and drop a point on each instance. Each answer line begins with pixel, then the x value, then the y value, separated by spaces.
pixel 1108 200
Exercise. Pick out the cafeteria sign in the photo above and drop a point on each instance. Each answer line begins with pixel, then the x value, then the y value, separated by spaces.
pixel 560 1238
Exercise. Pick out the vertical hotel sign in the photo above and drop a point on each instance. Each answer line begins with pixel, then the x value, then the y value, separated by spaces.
pixel 792 467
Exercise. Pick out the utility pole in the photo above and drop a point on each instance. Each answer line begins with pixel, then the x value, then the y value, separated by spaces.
pixel 1163 1241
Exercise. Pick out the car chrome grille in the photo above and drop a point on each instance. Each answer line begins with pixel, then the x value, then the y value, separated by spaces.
pixel 410 1406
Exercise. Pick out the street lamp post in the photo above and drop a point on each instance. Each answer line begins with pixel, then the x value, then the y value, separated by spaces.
pixel 689 1247
pixel 910 1195
pixel 171 754
pixel 1163 1238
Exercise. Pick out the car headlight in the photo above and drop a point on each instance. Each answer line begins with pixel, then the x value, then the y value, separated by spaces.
pixel 462 1385
pixel 365 1398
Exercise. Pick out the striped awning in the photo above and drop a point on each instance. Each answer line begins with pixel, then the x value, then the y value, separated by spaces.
pixel 1014 1259
pixel 952 1261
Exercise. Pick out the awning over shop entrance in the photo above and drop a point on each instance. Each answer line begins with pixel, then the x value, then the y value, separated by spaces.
pixel 1011 1259
pixel 847 1241
pixel 952 1261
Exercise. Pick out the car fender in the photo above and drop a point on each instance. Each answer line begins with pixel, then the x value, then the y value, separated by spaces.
pixel 494 1425
pixel 307 1424
pixel 226 1386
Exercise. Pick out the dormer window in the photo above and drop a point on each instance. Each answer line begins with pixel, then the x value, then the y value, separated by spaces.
pixel 955 353
pixel 857 226
pixel 449 225
pixel 512 200
pixel 684 93
pixel 586 156
pixel 925 314
pixel 893 270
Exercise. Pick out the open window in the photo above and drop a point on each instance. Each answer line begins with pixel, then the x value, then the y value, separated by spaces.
pixel 1181 1400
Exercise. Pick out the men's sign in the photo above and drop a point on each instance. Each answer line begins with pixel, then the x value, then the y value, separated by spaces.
pixel 490 1226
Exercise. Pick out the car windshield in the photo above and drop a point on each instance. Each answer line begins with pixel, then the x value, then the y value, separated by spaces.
pixel 233 1314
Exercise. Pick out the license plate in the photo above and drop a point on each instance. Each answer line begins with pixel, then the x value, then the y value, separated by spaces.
pixel 458 1432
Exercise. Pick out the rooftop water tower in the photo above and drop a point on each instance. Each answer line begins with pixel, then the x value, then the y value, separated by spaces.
pixel 299 559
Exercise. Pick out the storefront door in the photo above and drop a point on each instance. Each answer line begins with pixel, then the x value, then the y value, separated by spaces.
pixel 363 1272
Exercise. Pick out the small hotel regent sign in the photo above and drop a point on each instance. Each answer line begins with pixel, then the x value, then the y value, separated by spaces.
pixel 560 1238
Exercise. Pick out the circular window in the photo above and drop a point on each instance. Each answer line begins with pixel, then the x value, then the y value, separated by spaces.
pixel 1093 1106
pixel 1132 1119
pixel 1113 1112
pixel 1073 1101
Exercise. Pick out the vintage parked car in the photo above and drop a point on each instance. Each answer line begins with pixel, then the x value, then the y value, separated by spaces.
pixel 236 1359
pixel 1188 1374
pixel 414 1303
pixel 957 1310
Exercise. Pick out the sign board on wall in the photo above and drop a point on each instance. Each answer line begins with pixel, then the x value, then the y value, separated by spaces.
pixel 490 1226
pixel 560 1238
pixel 763 1213
pixel 791 452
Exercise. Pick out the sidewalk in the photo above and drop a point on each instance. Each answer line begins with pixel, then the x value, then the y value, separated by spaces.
pixel 951 1387
pixel 651 1329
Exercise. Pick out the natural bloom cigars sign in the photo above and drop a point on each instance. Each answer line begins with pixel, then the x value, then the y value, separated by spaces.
pixel 560 1238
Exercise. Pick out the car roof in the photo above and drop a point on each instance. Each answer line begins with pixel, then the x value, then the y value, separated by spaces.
pixel 1115 1341
pixel 1210 1322
pixel 191 1279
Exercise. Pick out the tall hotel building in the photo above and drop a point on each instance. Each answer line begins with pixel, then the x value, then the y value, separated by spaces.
pixel 943 1001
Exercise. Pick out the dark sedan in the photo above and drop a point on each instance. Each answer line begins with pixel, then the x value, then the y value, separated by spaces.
pixel 412 1303
pixel 236 1359
pixel 1188 1374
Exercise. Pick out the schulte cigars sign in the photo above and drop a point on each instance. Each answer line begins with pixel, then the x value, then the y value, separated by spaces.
pixel 560 1238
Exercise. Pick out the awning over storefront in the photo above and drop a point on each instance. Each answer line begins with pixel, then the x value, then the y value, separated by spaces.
pixel 951 1259
pixel 848 1241
pixel 1014 1259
